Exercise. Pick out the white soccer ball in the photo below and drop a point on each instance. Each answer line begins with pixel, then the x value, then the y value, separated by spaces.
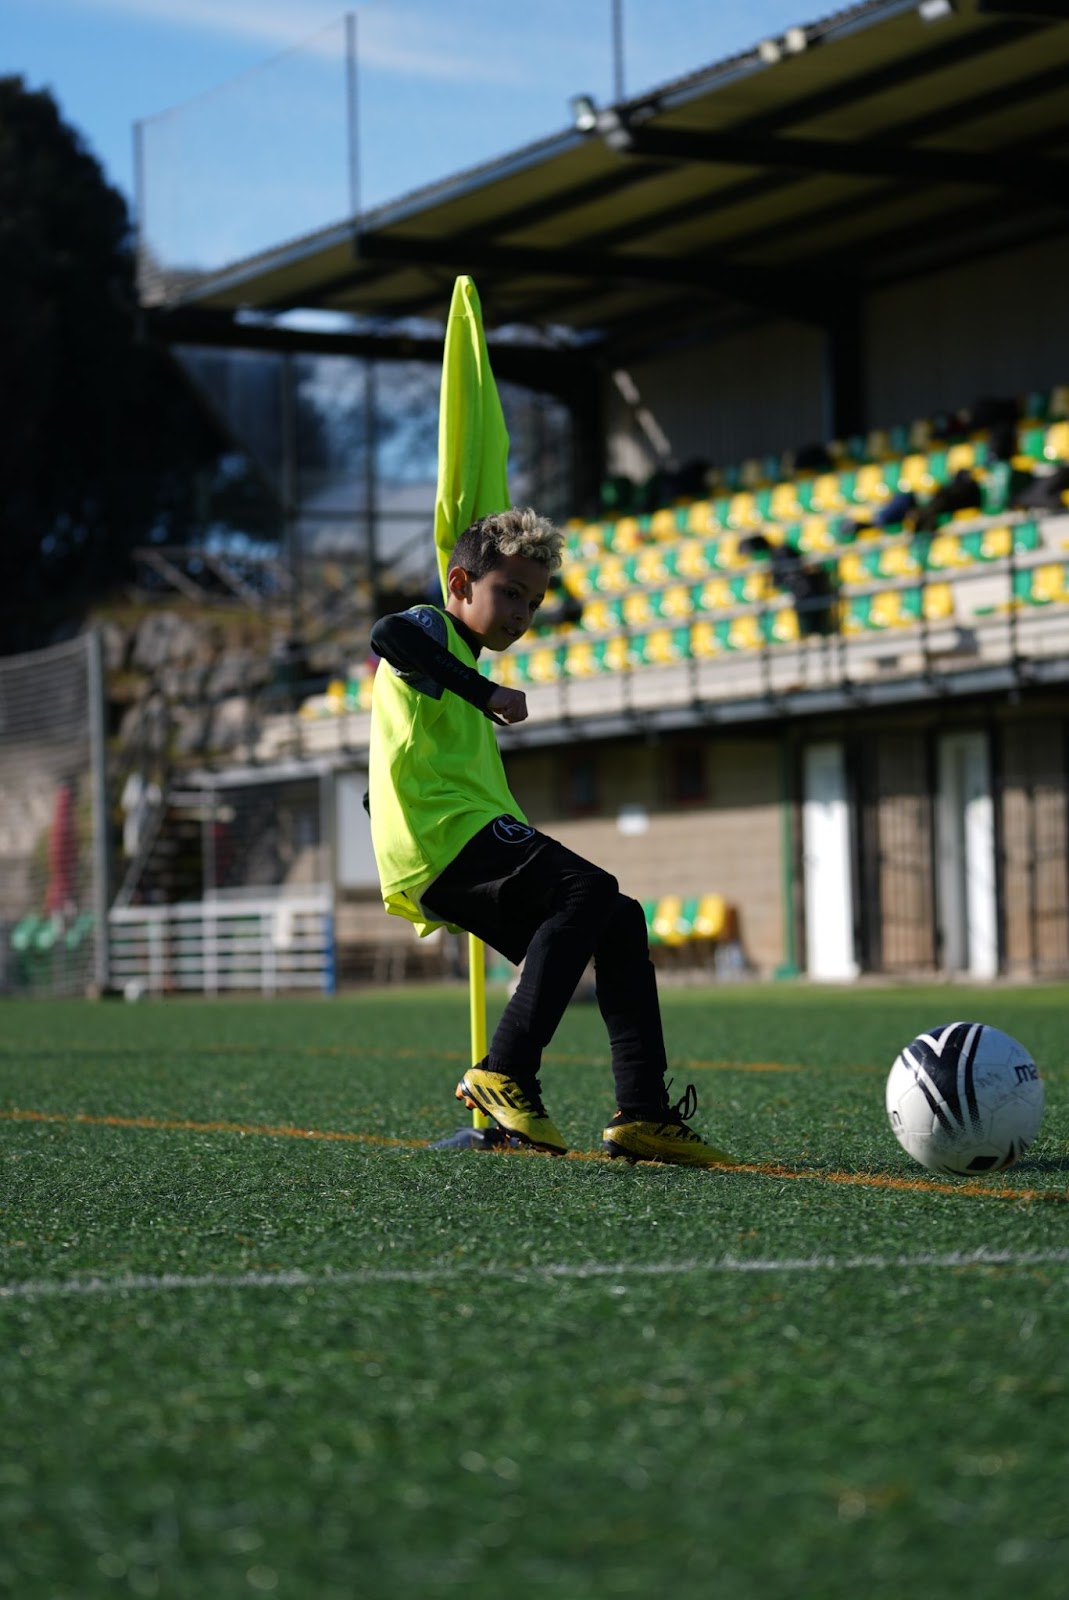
pixel 964 1098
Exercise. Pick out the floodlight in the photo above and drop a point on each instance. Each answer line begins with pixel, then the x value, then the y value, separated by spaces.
pixel 770 52
pixel 935 10
pixel 615 128
pixel 796 40
pixel 584 112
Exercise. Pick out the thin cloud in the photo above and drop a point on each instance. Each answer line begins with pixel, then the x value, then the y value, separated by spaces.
pixel 409 41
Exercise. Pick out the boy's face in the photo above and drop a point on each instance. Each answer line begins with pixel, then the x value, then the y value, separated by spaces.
pixel 498 608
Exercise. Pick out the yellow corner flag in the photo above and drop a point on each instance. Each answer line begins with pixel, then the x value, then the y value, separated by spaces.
pixel 473 443
pixel 473 452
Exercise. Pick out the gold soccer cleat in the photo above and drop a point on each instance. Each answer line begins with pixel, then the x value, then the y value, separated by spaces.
pixel 515 1107
pixel 664 1137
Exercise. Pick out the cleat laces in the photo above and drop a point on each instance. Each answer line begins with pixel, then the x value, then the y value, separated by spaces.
pixel 676 1116
pixel 531 1098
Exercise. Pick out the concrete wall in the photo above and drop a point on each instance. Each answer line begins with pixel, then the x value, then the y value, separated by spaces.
pixel 755 393
pixel 729 843
pixel 1000 327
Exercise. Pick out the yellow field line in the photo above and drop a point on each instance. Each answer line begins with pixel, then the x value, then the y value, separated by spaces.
pixel 862 1180
pixel 180 1125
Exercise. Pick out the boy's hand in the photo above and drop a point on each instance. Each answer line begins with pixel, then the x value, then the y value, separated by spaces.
pixel 507 705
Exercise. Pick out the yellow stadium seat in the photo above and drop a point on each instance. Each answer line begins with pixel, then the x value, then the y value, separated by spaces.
pixel 711 918
pixel 886 609
pixel 617 656
pixel 946 551
pixel 815 535
pixel 1056 444
pixel 899 561
pixel 703 640
pixel 1048 583
pixel 676 601
pixel 580 661
pixel 650 567
pixel 784 505
pixel 961 458
pixel 626 535
pixel 692 560
pixel 996 543
pixel 545 667
pixel 915 475
pixel 938 602
pixel 660 647
pixel 785 625
pixel 666 917
pixel 728 553
pixel 851 568
pixel 637 609
pixel 716 595
pixel 742 511
pixel 609 575
pixel 577 579
pixel 869 487
pixel 745 633
pixel 598 617
pixel 827 494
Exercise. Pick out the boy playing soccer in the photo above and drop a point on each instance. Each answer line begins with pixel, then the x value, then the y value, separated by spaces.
pixel 453 847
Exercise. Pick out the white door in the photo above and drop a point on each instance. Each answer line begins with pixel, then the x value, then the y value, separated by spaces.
pixel 966 856
pixel 829 892
pixel 355 864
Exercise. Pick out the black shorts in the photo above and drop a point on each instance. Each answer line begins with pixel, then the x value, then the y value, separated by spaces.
pixel 501 885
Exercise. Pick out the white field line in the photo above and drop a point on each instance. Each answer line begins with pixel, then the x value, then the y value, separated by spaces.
pixel 166 1282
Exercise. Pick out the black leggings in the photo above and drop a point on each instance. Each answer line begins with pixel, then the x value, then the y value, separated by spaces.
pixel 529 897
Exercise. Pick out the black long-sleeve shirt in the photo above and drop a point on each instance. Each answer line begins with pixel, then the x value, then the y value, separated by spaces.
pixel 413 642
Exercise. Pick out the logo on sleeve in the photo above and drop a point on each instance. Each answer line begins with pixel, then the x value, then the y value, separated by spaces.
pixel 509 831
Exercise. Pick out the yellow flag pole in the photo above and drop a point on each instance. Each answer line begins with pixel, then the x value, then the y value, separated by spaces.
pixel 473 447
pixel 477 1012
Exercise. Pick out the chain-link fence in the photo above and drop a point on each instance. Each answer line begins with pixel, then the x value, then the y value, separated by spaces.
pixel 53 822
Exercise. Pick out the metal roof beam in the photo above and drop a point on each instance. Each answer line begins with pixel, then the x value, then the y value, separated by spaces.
pixel 791 293
pixel 852 158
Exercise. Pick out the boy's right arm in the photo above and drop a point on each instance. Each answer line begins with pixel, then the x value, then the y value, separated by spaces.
pixel 414 652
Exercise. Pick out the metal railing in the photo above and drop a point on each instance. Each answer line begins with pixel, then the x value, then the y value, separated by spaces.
pixel 268 946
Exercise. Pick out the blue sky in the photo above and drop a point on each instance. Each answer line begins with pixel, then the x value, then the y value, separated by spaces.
pixel 246 140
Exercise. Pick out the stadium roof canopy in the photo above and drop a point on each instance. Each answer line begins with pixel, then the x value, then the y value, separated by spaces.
pixel 888 140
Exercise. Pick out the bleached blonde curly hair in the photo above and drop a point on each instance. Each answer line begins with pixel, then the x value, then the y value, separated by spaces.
pixel 518 532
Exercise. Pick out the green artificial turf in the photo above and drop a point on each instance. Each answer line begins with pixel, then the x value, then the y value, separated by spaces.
pixel 236 1361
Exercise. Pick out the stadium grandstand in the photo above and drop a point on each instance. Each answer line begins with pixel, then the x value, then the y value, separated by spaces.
pixel 798 332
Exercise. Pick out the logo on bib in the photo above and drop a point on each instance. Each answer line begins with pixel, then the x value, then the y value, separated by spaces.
pixel 509 831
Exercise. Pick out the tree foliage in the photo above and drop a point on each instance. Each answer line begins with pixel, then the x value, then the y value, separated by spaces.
pixel 101 443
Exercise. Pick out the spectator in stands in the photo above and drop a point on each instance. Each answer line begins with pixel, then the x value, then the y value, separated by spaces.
pixel 961 493
pixel 453 848
pixel 813 458
pixel 810 584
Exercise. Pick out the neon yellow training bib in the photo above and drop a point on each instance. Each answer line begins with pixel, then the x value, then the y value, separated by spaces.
pixel 435 776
